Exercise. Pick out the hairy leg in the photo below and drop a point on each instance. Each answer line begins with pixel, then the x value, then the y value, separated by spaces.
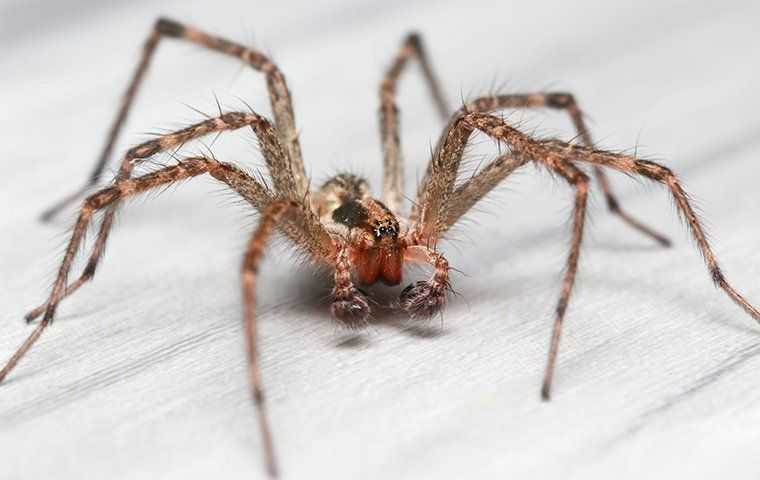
pixel 278 93
pixel 228 121
pixel 468 194
pixel 663 175
pixel 271 217
pixel 298 219
pixel 393 168
pixel 434 197
pixel 97 201
pixel 304 229
pixel 423 299
pixel 436 202
pixel 89 269
pixel 480 185
pixel 475 188
pixel 566 102
pixel 349 306
pixel 580 182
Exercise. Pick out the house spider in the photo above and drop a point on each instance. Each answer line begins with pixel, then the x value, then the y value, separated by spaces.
pixel 341 225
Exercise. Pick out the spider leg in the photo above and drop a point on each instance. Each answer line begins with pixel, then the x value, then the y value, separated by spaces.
pixel 279 96
pixel 475 188
pixel 565 101
pixel 424 298
pixel 271 216
pixel 559 156
pixel 393 168
pixel 663 175
pixel 580 182
pixel 89 269
pixel 434 195
pixel 349 306
pixel 255 193
pixel 102 199
pixel 236 179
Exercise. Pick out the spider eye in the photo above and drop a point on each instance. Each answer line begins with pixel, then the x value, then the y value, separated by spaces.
pixel 384 231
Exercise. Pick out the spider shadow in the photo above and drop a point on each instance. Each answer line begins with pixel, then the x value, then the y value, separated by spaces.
pixel 387 317
pixel 690 302
pixel 69 317
pixel 609 246
pixel 547 236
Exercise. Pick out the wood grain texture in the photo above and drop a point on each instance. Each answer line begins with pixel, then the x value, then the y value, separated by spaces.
pixel 144 372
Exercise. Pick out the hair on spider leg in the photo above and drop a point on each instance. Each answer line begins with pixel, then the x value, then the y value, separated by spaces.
pixel 218 103
pixel 197 110
pixel 245 103
pixel 420 306
pixel 506 84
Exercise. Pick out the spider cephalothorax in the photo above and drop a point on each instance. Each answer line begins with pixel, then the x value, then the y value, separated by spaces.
pixel 376 250
pixel 341 225
pixel 374 247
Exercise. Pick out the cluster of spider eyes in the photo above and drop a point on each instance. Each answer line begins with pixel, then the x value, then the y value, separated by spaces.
pixel 384 231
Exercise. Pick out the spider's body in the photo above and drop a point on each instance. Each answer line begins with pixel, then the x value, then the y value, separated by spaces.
pixel 363 239
pixel 376 249
pixel 374 245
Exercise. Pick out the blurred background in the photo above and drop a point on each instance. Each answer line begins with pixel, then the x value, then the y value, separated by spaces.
pixel 143 374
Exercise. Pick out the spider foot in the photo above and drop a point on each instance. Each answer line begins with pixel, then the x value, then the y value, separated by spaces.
pixel 350 307
pixel 32 315
pixel 423 299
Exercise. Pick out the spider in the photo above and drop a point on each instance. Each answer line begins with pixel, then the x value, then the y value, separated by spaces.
pixel 362 239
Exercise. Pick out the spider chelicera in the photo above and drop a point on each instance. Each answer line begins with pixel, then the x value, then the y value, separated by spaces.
pixel 341 225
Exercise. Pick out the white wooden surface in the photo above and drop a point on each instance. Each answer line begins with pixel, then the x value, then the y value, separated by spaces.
pixel 143 375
